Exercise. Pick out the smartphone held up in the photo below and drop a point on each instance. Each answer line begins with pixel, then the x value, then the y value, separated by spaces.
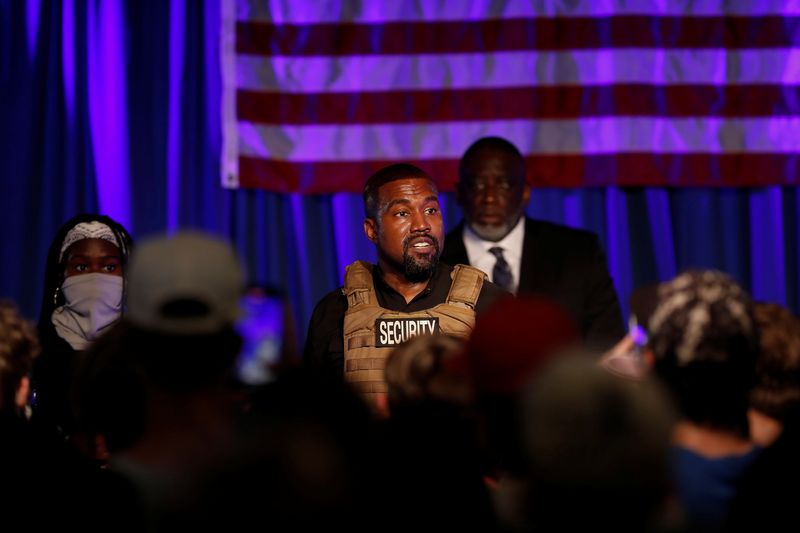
pixel 265 335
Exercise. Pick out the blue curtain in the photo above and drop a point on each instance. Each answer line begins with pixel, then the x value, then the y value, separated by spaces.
pixel 114 107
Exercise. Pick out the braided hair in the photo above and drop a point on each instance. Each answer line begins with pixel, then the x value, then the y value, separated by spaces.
pixel 704 340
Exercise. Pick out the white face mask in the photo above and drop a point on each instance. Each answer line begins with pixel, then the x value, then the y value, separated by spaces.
pixel 93 302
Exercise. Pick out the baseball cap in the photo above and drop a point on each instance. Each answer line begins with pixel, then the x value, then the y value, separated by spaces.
pixel 189 283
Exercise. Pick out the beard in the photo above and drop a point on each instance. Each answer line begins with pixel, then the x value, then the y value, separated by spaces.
pixel 417 269
pixel 491 232
pixel 495 232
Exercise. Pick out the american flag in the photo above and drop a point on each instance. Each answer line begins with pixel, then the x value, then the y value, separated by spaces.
pixel 319 94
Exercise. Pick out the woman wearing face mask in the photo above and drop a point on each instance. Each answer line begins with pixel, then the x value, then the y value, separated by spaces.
pixel 83 297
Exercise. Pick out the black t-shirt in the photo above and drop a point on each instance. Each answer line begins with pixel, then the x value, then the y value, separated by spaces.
pixel 324 349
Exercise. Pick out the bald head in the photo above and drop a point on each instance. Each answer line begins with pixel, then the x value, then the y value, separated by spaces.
pixel 494 144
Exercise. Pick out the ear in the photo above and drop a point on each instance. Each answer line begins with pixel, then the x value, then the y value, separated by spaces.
pixel 24 388
pixel 526 193
pixel 459 196
pixel 371 230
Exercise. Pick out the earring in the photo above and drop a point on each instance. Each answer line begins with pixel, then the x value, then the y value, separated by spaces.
pixel 55 296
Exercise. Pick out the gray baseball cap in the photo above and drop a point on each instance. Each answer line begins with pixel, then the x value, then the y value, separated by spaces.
pixel 188 283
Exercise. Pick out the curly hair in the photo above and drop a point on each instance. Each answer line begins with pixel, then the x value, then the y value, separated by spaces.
pixel 777 390
pixel 417 370
pixel 18 348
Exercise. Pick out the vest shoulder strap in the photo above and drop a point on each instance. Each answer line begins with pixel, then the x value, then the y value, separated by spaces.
pixel 358 286
pixel 466 286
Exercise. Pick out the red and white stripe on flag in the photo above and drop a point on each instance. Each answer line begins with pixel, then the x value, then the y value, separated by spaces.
pixel 318 94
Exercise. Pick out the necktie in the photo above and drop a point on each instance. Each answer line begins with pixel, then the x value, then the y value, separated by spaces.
pixel 501 274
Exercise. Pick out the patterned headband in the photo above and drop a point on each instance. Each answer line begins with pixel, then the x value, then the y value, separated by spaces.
pixel 87 230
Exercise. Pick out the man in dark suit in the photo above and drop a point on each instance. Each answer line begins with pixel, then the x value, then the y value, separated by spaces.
pixel 529 256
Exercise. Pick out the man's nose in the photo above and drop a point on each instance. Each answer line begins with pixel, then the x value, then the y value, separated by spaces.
pixel 489 195
pixel 420 222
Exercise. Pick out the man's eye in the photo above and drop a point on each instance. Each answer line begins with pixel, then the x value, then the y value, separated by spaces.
pixel 80 267
pixel 110 268
pixel 432 210
pixel 401 214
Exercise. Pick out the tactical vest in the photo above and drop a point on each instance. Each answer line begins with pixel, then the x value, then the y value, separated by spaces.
pixel 370 331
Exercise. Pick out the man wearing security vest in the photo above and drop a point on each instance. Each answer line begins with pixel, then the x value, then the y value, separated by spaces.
pixel 408 293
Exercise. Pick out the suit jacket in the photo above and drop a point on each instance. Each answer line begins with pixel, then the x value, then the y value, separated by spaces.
pixel 568 266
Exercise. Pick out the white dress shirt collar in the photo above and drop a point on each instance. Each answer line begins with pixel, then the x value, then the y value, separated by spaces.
pixel 480 257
